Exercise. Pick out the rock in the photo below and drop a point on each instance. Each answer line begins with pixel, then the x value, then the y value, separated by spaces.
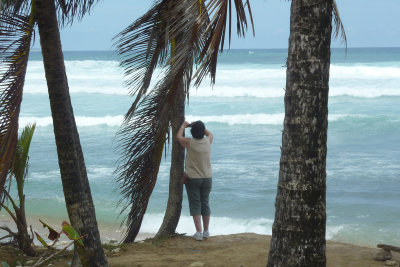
pixel 196 264
pixel 31 262
pixel 391 263
pixel 115 250
pixel 383 255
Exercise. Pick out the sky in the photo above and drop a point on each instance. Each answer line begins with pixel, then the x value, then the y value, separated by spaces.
pixel 368 23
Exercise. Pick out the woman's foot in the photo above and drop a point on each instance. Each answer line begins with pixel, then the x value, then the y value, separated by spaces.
pixel 198 236
pixel 206 234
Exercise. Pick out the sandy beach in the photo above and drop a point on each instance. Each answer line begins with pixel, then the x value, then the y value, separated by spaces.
pixel 245 249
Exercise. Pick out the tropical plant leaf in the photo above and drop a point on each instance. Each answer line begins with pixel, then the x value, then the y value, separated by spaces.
pixel 20 162
pixel 73 9
pixel 142 46
pixel 71 233
pixel 14 7
pixel 53 234
pixel 23 146
pixel 16 34
pixel 142 145
pixel 41 240
pixel 4 264
pixel 219 11
pixel 339 28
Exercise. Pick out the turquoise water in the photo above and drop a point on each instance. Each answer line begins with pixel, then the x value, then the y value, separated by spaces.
pixel 245 112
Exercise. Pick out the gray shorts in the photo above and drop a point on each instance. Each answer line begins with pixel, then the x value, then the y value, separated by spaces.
pixel 198 191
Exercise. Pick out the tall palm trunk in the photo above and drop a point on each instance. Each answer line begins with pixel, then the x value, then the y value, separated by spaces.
pixel 174 206
pixel 298 233
pixel 75 183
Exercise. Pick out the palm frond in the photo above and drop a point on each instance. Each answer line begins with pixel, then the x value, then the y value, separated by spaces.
pixel 13 8
pixel 15 38
pixel 339 28
pixel 187 30
pixel 143 46
pixel 142 141
pixel 9 7
pixel 219 11
pixel 69 10
pixel 24 142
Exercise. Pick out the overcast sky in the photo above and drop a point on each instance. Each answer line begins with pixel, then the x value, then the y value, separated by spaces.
pixel 368 23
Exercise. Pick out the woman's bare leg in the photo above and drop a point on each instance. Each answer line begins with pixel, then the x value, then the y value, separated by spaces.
pixel 206 222
pixel 197 222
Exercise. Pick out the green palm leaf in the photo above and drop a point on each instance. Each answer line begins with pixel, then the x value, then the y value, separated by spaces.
pixel 14 7
pixel 339 28
pixel 219 12
pixel 73 9
pixel 21 163
pixel 16 34
pixel 143 46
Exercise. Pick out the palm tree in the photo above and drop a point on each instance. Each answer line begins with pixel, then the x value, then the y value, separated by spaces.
pixel 19 172
pixel 173 35
pixel 20 17
pixel 175 195
pixel 298 232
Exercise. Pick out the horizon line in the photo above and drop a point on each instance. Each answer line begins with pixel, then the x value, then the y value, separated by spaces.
pixel 227 49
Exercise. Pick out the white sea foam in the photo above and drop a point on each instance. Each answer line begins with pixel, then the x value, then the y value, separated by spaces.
pixel 364 90
pixel 100 171
pixel 364 72
pixel 43 176
pixel 218 225
pixel 81 121
pixel 237 119
pixel 263 81
pixel 260 118
pixel 333 231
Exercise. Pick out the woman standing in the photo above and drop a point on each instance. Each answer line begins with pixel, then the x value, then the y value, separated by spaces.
pixel 198 168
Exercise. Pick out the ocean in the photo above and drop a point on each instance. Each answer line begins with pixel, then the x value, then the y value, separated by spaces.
pixel 244 110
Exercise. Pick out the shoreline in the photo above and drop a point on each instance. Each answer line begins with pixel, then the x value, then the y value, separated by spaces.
pixel 245 249
pixel 114 233
pixel 241 249
pixel 108 232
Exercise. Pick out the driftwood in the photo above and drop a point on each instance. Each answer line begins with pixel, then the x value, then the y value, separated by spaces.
pixel 389 247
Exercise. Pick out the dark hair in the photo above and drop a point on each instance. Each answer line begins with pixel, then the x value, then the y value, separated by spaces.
pixel 197 129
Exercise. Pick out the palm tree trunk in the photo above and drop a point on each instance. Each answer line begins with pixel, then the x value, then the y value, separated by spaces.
pixel 22 236
pixel 174 205
pixel 24 240
pixel 298 233
pixel 75 183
